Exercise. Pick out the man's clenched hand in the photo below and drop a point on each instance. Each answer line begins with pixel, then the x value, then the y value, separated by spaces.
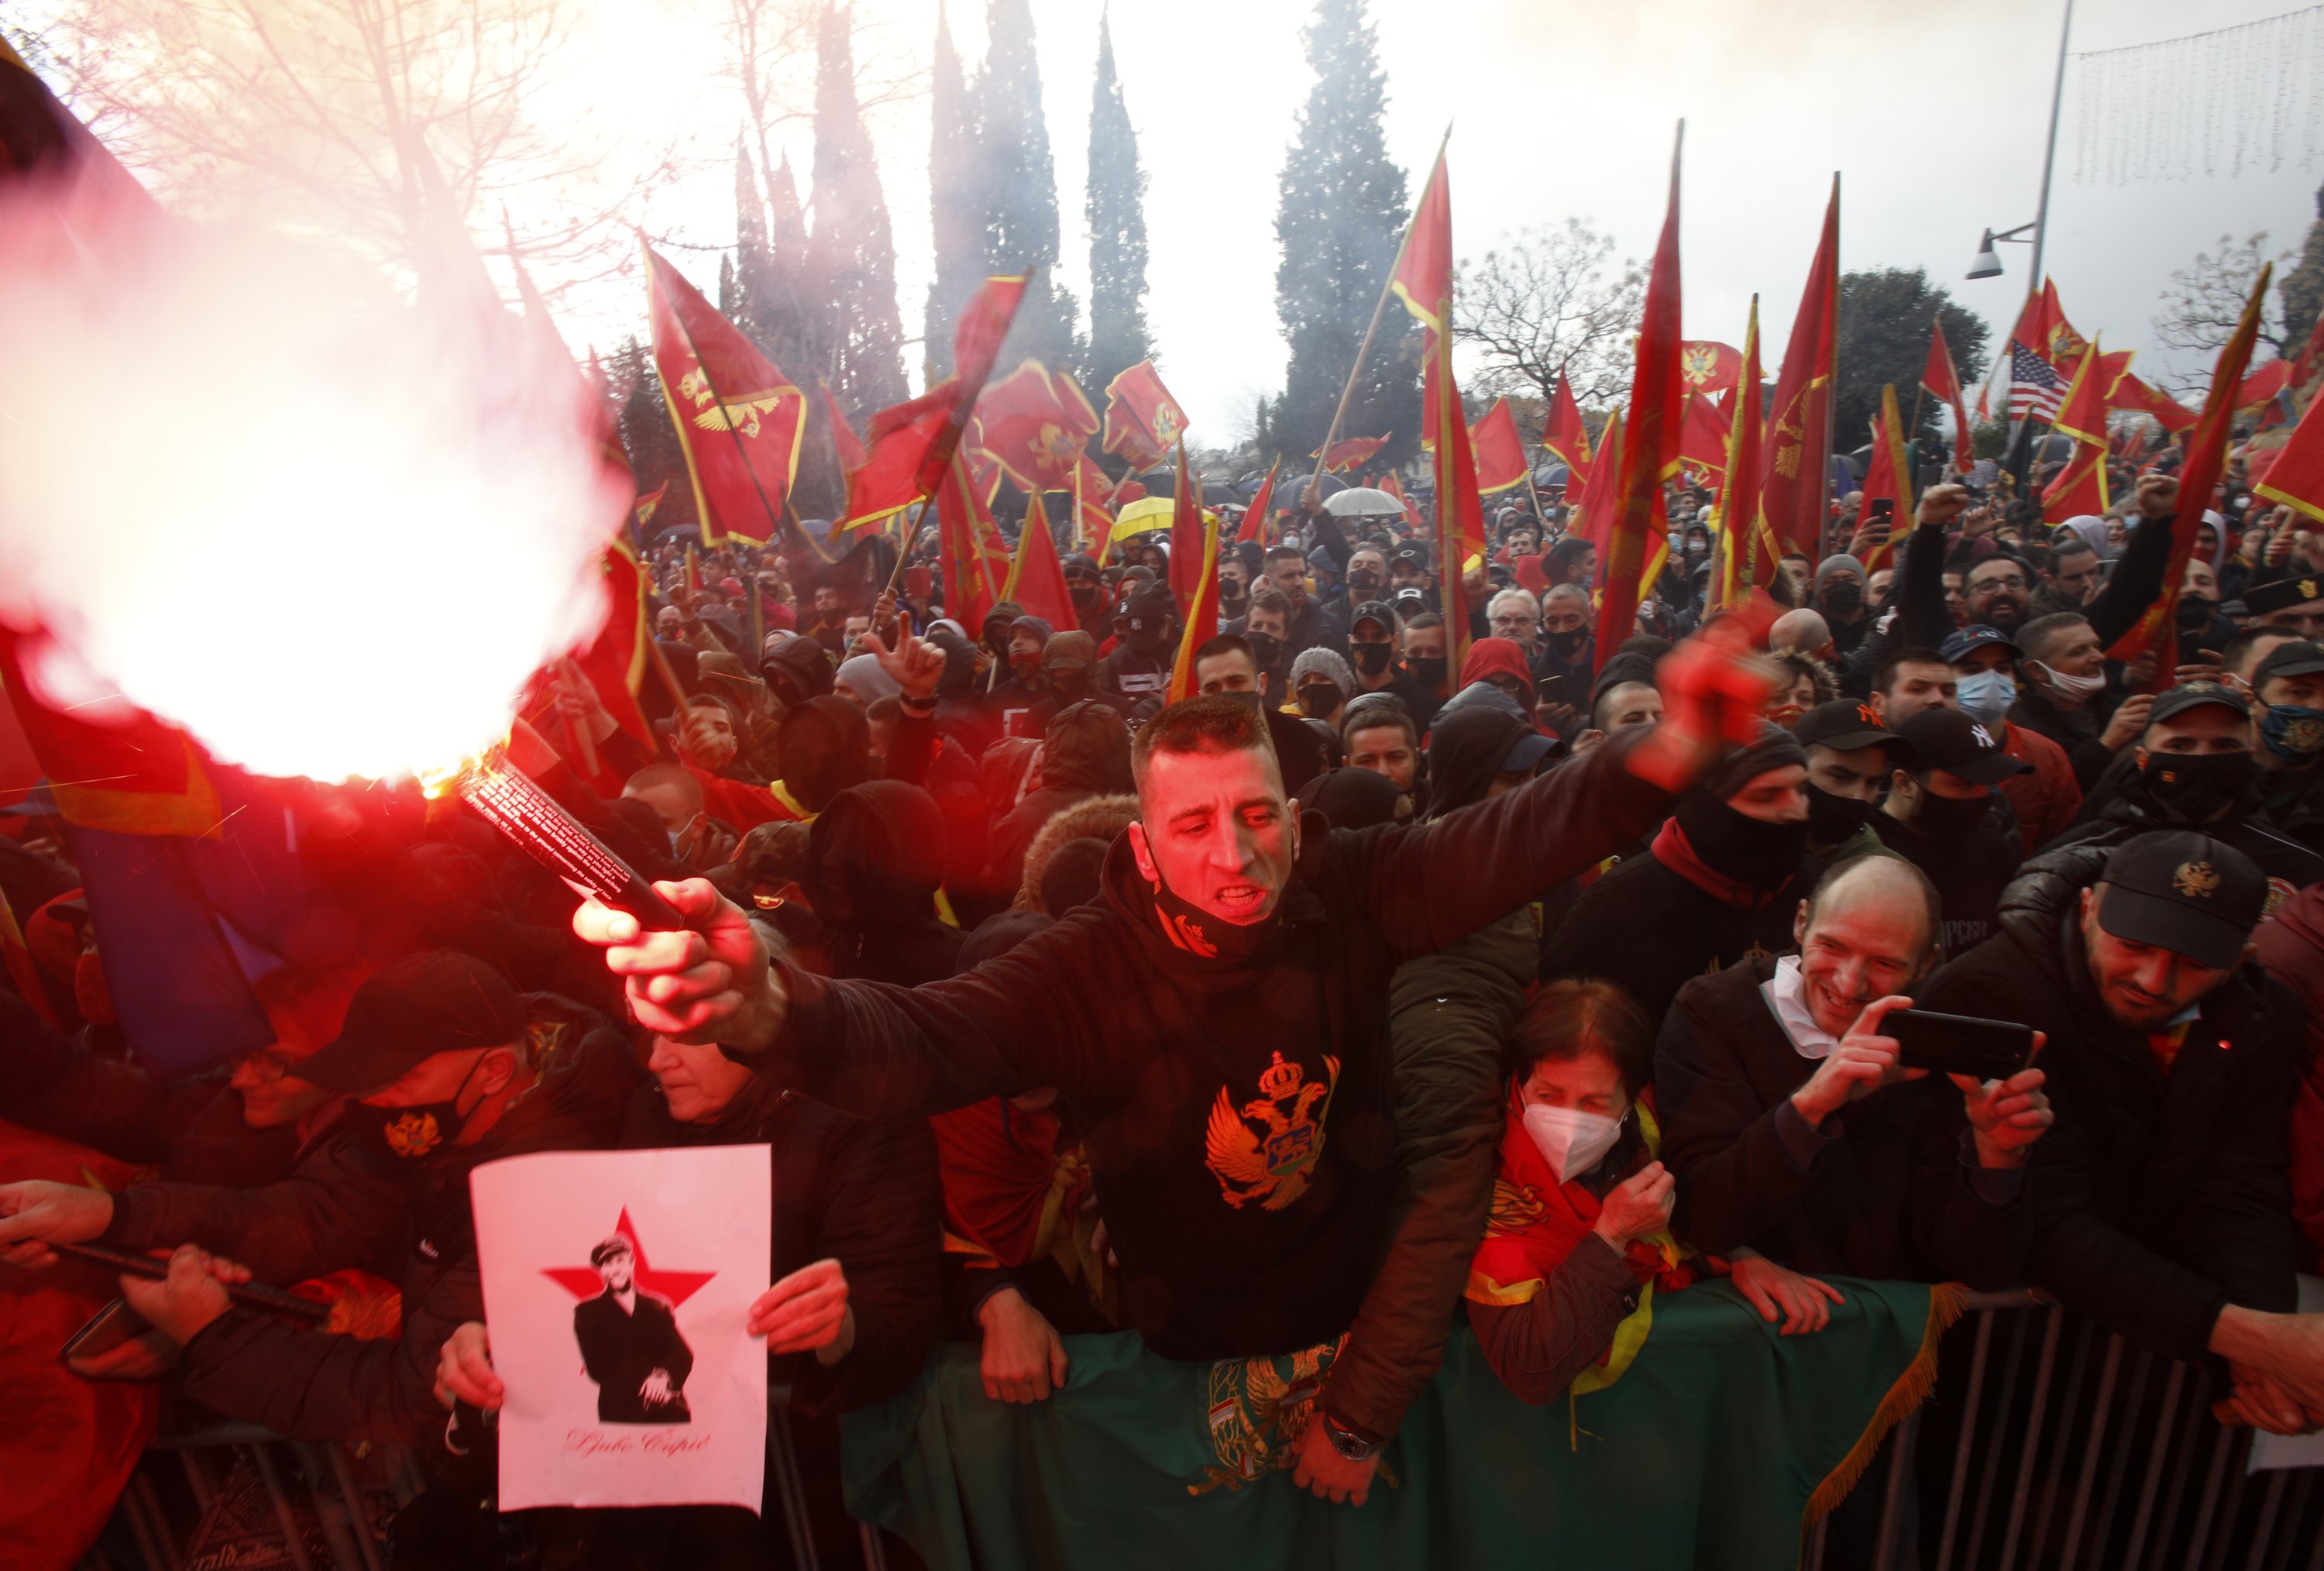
pixel 707 982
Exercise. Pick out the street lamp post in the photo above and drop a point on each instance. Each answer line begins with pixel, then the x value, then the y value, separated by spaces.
pixel 1988 263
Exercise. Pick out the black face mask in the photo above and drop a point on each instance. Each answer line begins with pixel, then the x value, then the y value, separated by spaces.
pixel 2193 788
pixel 1364 581
pixel 1208 938
pixel 1833 819
pixel 1844 596
pixel 1950 817
pixel 1749 850
pixel 1232 592
pixel 417 1135
pixel 1070 686
pixel 1569 643
pixel 1265 647
pixel 1318 699
pixel 1085 596
pixel 1428 670
pixel 2195 612
pixel 1372 659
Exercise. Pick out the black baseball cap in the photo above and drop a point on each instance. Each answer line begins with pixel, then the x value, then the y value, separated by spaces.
pixel 1845 725
pixel 2259 599
pixel 2185 892
pixel 2195 694
pixel 439 1001
pixel 1976 635
pixel 1409 556
pixel 1951 740
pixel 1379 611
pixel 2296 659
pixel 1149 601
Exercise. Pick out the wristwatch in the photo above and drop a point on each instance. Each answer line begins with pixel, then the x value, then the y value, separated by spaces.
pixel 1351 1445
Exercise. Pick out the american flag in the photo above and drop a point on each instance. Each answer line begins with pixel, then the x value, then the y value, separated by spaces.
pixel 2034 391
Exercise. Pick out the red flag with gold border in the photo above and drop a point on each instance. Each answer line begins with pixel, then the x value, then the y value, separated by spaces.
pixel 1202 611
pixel 1349 453
pixel 1035 424
pixel 2296 478
pixel 1500 450
pixel 1942 378
pixel 2131 394
pixel 739 419
pixel 1254 517
pixel 1748 555
pixel 615 661
pixel 1650 441
pixel 2199 477
pixel 1888 478
pixel 850 446
pixel 1395 488
pixel 1702 440
pixel 1423 279
pixel 1186 529
pixel 1796 477
pixel 1710 367
pixel 1142 421
pixel 909 445
pixel 2083 414
pixel 1565 434
pixel 1037 578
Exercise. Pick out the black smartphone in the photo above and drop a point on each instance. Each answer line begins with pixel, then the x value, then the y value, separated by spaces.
pixel 1884 508
pixel 1959 1044
pixel 1550 690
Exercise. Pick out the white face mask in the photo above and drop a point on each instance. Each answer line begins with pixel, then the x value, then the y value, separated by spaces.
pixel 2070 687
pixel 1570 1141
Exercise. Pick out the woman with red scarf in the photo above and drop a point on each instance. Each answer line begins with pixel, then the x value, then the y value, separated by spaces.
pixel 1561 1291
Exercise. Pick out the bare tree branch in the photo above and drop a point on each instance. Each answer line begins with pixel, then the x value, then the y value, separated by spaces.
pixel 2204 300
pixel 1550 303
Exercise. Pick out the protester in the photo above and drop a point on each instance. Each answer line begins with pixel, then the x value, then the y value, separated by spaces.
pixel 1851 756
pixel 1938 816
pixel 1716 887
pixel 2045 797
pixel 1226 665
pixel 1793 1131
pixel 2288 681
pixel 1202 892
pixel 2158 1197
pixel 1576 1241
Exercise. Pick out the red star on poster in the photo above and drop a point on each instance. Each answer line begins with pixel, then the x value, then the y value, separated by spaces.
pixel 583 1282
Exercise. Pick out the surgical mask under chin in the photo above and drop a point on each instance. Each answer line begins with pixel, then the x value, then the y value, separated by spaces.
pixel 2069 687
pixel 1986 695
pixel 2292 732
pixel 1570 1141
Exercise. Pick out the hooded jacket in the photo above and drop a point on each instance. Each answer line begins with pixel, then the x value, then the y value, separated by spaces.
pixel 1239 1111
pixel 1085 754
pixel 874 862
pixel 345 1207
pixel 2157 1199
pixel 1497 657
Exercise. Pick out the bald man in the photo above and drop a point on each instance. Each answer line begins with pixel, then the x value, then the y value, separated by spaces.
pixel 1801 632
pixel 1797 1139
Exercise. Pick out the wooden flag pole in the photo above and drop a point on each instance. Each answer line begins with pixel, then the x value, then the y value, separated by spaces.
pixel 1314 488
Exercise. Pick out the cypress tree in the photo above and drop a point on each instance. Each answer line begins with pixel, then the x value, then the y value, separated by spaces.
pixel 851 250
pixel 1119 336
pixel 1017 179
pixel 954 203
pixel 1340 218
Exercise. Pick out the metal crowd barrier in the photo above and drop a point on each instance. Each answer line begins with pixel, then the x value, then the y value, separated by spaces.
pixel 2050 1443
pixel 325 1517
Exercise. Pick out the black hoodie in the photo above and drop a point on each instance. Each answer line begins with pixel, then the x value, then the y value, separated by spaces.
pixel 874 861
pixel 1238 1112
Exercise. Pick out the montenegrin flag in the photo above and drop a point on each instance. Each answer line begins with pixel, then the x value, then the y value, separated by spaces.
pixel 738 418
pixel 1423 280
pixel 2206 460
pixel 1747 551
pixel 1142 421
pixel 1637 541
pixel 1888 478
pixel 910 446
pixel 1500 451
pixel 1795 481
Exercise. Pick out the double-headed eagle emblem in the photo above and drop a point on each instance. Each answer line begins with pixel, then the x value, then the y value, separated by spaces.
pixel 742 414
pixel 1269 1164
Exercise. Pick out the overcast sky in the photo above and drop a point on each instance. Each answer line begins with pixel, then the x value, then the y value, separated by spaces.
pixel 1934 115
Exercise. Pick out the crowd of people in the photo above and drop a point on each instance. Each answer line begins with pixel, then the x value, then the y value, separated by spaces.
pixel 1351 998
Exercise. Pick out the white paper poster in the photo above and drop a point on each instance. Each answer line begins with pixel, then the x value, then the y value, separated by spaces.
pixel 616 1285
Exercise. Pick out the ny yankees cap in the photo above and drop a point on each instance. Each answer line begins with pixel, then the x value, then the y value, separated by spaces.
pixel 1951 740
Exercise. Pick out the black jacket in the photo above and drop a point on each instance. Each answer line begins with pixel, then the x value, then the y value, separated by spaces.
pixel 344 1208
pixel 1239 1113
pixel 622 1349
pixel 1650 930
pixel 2077 731
pixel 2157 1200
pixel 2122 806
pixel 1889 1189
pixel 862 1194
pixel 1969 871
